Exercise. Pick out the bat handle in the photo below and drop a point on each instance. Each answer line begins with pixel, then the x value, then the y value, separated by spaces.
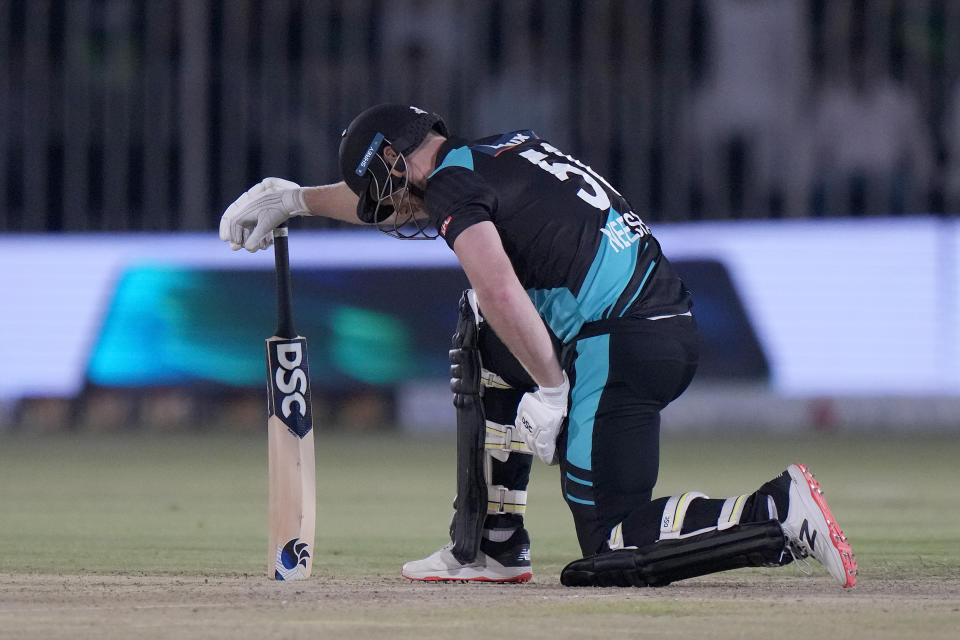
pixel 281 257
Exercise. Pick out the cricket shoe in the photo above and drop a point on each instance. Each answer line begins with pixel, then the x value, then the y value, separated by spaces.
pixel 507 561
pixel 811 530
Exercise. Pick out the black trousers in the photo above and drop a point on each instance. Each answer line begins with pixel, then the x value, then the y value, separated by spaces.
pixel 610 451
pixel 610 448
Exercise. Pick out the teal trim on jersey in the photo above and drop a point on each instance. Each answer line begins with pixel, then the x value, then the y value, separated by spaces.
pixel 580 501
pixel 560 310
pixel 653 263
pixel 637 292
pixel 578 480
pixel 592 367
pixel 609 273
pixel 459 157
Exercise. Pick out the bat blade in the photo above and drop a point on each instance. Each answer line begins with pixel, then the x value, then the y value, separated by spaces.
pixel 291 463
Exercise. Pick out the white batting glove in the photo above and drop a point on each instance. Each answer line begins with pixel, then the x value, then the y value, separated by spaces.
pixel 251 219
pixel 539 417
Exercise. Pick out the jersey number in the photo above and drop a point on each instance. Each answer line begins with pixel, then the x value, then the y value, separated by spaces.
pixel 562 170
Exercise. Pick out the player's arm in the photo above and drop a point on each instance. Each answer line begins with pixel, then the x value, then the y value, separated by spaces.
pixel 508 309
pixel 335 201
pixel 250 219
pixel 505 304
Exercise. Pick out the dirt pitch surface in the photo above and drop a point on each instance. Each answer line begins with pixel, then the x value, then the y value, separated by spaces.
pixel 99 606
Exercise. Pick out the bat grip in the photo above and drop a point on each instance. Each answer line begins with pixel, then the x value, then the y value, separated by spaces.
pixel 281 257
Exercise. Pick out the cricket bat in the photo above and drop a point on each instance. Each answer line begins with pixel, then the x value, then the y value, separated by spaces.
pixel 291 465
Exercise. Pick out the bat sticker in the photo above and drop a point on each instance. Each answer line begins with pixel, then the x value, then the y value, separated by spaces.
pixel 288 389
pixel 290 558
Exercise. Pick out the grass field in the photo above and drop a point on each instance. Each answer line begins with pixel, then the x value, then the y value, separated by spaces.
pixel 113 536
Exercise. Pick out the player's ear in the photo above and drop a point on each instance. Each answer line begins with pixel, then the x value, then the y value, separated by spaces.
pixel 391 156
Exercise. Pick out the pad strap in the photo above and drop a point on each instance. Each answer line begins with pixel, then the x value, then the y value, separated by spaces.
pixel 502 440
pixel 490 380
pixel 503 500
pixel 615 541
pixel 671 524
pixel 730 512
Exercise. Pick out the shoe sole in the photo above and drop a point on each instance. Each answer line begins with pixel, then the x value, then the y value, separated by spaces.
pixel 523 577
pixel 837 539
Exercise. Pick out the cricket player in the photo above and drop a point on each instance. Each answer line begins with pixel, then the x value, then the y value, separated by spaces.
pixel 576 333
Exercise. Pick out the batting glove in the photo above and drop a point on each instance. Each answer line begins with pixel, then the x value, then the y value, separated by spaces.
pixel 251 219
pixel 540 416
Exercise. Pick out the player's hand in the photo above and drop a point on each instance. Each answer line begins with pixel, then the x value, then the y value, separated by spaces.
pixel 249 222
pixel 539 417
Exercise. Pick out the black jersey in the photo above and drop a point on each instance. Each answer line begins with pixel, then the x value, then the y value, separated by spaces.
pixel 577 247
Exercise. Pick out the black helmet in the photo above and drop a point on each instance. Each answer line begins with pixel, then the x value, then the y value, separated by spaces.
pixel 361 143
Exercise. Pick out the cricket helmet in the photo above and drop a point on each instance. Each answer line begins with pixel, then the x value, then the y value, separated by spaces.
pixel 362 165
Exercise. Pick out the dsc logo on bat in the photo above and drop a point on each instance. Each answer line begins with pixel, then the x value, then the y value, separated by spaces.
pixel 289 398
pixel 290 379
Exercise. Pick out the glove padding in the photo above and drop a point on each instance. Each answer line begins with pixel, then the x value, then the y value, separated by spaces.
pixel 249 222
pixel 540 416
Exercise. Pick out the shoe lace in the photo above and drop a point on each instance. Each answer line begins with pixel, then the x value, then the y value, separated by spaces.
pixel 800 556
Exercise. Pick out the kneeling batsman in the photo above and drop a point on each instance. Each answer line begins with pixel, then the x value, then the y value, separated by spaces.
pixel 504 419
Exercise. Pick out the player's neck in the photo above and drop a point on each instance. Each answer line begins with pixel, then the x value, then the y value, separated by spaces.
pixel 422 162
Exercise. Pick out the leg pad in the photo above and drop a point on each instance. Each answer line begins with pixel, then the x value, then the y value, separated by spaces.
pixel 486 403
pixel 471 502
pixel 658 564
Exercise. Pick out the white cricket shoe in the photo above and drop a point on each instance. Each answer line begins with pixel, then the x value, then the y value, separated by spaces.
pixel 507 561
pixel 811 530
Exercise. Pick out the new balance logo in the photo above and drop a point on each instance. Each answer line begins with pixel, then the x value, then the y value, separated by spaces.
pixel 805 533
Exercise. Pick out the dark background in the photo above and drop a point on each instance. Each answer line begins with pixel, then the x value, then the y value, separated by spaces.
pixel 156 114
